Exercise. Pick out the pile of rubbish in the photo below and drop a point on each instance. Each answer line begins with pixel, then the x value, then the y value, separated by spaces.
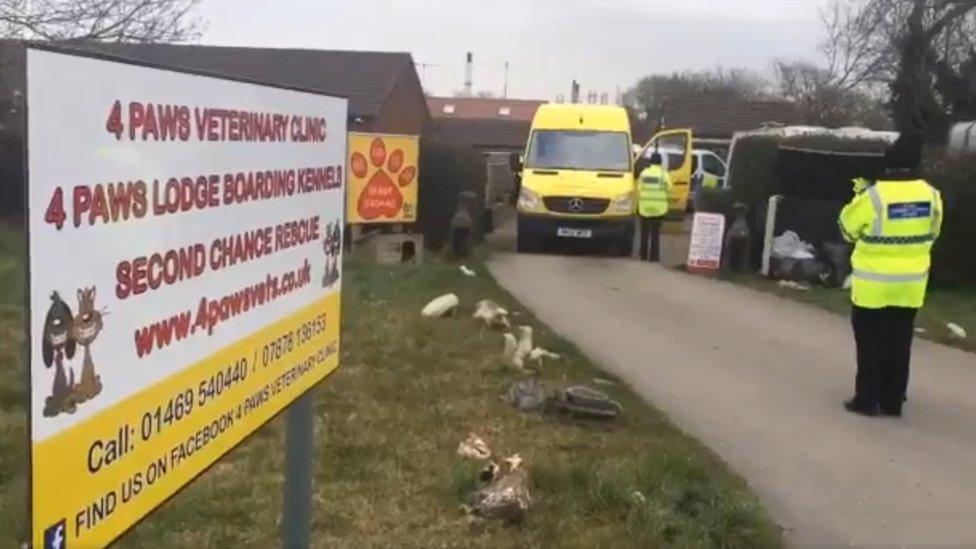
pixel 798 262
pixel 503 490
pixel 798 265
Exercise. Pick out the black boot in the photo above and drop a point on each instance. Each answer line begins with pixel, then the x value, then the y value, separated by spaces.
pixel 856 407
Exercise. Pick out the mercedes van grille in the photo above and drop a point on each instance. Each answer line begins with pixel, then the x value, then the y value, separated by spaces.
pixel 576 205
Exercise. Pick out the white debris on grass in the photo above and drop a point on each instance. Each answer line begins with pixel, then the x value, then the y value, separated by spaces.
pixel 467 271
pixel 793 285
pixel 492 314
pixel 474 448
pixel 514 461
pixel 920 330
pixel 848 282
pixel 511 344
pixel 442 306
pixel 524 348
pixel 538 355
pixel 956 331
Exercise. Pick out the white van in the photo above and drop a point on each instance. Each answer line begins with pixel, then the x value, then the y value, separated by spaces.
pixel 707 168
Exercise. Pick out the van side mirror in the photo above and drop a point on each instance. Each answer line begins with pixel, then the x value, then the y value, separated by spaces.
pixel 515 162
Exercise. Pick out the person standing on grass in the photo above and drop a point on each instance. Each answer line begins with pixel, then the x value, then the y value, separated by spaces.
pixel 893 224
pixel 654 185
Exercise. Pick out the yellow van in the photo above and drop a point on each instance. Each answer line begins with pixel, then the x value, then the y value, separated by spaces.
pixel 577 178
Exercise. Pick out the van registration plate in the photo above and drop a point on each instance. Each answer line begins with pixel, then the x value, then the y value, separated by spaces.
pixel 566 232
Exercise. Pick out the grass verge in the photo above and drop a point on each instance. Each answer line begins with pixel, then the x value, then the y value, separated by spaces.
pixel 387 428
pixel 941 307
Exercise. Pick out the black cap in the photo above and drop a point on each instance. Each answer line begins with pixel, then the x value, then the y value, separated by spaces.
pixel 905 153
pixel 656 159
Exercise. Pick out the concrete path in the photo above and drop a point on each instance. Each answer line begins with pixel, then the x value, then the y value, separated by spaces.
pixel 760 380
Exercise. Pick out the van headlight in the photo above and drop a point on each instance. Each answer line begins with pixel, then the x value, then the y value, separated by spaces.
pixel 529 201
pixel 623 204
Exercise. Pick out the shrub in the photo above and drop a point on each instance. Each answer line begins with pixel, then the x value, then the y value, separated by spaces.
pixel 752 169
pixel 954 256
pixel 445 171
pixel 11 177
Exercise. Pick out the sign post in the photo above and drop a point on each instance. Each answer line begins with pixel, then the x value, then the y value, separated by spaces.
pixel 184 282
pixel 296 514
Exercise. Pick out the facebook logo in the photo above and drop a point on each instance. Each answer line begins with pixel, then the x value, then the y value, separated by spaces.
pixel 54 537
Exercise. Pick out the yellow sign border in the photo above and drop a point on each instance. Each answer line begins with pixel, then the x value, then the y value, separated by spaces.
pixel 52 458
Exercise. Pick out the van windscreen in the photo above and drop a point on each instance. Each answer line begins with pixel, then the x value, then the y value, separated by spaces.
pixel 579 150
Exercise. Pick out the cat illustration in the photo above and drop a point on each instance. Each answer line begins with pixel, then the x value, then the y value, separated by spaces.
pixel 85 328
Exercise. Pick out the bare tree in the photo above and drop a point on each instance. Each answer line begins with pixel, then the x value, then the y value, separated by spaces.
pixel 654 91
pixel 102 20
pixel 922 51
pixel 827 99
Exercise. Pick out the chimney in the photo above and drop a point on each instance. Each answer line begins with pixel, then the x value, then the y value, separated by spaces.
pixel 468 75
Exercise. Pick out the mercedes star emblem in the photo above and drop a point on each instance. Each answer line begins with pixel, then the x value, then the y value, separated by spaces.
pixel 575 204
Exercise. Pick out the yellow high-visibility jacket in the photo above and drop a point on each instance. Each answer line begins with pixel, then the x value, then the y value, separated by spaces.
pixel 654 185
pixel 893 225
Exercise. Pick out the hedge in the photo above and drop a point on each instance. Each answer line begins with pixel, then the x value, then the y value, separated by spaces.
pixel 445 171
pixel 954 255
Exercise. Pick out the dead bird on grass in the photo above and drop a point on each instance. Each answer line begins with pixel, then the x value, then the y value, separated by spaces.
pixel 506 497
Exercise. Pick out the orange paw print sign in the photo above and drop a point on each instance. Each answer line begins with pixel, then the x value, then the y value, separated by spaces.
pixel 382 178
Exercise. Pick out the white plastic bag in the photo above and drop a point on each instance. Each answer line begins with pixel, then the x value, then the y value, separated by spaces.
pixel 789 246
pixel 442 306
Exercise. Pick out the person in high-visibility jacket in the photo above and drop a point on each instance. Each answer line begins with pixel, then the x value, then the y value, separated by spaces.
pixel 653 185
pixel 893 223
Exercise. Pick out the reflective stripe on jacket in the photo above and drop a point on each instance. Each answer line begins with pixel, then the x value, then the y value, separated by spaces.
pixel 893 225
pixel 654 184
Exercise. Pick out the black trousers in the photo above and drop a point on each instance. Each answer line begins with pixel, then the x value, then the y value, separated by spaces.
pixel 884 350
pixel 650 225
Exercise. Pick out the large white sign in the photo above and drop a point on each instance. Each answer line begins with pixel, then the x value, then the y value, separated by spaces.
pixel 184 277
pixel 707 232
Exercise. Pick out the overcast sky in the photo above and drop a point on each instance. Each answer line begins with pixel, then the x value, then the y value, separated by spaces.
pixel 547 43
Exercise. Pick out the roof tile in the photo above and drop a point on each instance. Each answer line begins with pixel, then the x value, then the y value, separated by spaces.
pixel 365 77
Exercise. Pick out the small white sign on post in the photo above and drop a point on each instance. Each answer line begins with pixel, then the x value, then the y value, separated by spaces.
pixel 707 231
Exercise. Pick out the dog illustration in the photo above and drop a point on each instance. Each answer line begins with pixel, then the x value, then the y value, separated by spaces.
pixel 332 245
pixel 85 328
pixel 58 343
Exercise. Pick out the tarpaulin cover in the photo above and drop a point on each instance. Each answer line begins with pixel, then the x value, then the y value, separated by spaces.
pixel 823 175
pixel 814 220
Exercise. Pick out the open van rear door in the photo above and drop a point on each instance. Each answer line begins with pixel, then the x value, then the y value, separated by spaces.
pixel 675 146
